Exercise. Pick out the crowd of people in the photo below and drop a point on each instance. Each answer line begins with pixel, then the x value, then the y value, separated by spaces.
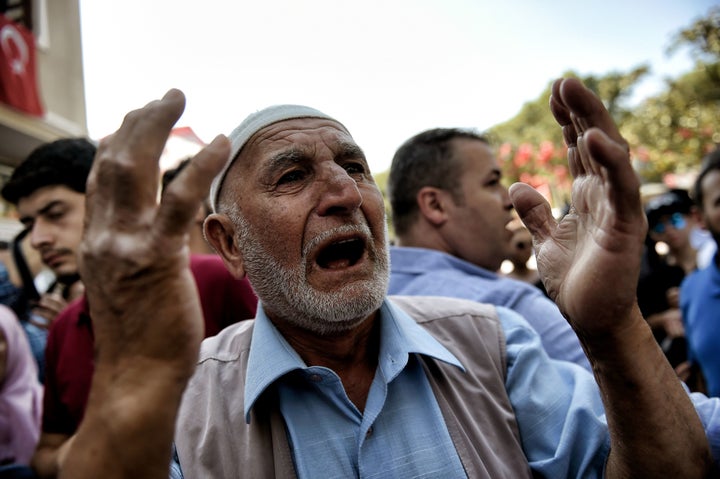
pixel 247 316
pixel 48 189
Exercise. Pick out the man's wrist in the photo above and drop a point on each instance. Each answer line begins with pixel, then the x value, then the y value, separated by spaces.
pixel 632 333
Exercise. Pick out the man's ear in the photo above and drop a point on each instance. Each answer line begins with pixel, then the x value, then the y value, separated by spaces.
pixel 220 232
pixel 432 206
pixel 698 217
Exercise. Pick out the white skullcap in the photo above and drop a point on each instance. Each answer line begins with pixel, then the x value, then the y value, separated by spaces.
pixel 251 125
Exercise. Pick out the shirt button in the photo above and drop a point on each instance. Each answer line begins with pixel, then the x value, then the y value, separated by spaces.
pixel 316 378
pixel 369 432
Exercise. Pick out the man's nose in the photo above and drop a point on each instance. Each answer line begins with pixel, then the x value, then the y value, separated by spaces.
pixel 339 193
pixel 39 235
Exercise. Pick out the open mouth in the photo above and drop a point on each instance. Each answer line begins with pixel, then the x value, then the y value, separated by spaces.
pixel 341 254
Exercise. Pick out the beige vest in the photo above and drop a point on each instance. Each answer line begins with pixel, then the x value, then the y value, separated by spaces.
pixel 214 441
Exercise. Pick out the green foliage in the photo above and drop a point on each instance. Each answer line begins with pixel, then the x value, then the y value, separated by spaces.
pixel 703 37
pixel 615 88
pixel 533 124
pixel 668 133
pixel 671 132
pixel 382 179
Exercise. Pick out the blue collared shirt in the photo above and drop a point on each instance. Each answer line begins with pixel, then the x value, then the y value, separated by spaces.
pixel 423 272
pixel 401 433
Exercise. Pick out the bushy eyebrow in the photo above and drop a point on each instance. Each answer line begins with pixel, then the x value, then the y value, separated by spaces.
pixel 295 155
pixel 29 219
pixel 349 150
pixel 285 158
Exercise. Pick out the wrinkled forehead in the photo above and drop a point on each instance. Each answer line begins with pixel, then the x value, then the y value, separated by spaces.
pixel 250 127
pixel 283 141
pixel 286 143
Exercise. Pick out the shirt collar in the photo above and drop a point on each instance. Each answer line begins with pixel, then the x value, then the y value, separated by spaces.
pixel 406 259
pixel 271 356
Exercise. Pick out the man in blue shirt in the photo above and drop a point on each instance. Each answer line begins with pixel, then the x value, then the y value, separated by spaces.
pixel 700 291
pixel 450 213
pixel 333 378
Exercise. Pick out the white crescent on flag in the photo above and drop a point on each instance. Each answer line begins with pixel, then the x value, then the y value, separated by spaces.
pixel 10 35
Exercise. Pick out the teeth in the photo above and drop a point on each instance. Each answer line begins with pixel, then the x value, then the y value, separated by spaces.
pixel 338 264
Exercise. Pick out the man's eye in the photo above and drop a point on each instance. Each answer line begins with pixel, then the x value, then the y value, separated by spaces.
pixel 291 176
pixel 354 168
pixel 54 215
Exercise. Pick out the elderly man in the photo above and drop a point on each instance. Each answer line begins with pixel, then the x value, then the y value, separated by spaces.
pixel 333 379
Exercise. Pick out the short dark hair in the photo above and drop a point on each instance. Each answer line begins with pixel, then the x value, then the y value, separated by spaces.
pixel 710 162
pixel 426 159
pixel 64 162
pixel 672 201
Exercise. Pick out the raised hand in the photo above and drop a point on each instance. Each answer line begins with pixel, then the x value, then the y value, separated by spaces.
pixel 590 260
pixel 143 301
pixel 134 257
pixel 590 264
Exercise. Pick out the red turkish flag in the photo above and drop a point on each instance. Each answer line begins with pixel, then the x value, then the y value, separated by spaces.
pixel 18 77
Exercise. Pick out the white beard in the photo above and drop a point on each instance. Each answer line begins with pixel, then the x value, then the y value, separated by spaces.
pixel 285 292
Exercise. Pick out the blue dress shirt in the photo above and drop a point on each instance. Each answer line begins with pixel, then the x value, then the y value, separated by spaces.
pixel 700 306
pixel 428 272
pixel 401 432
